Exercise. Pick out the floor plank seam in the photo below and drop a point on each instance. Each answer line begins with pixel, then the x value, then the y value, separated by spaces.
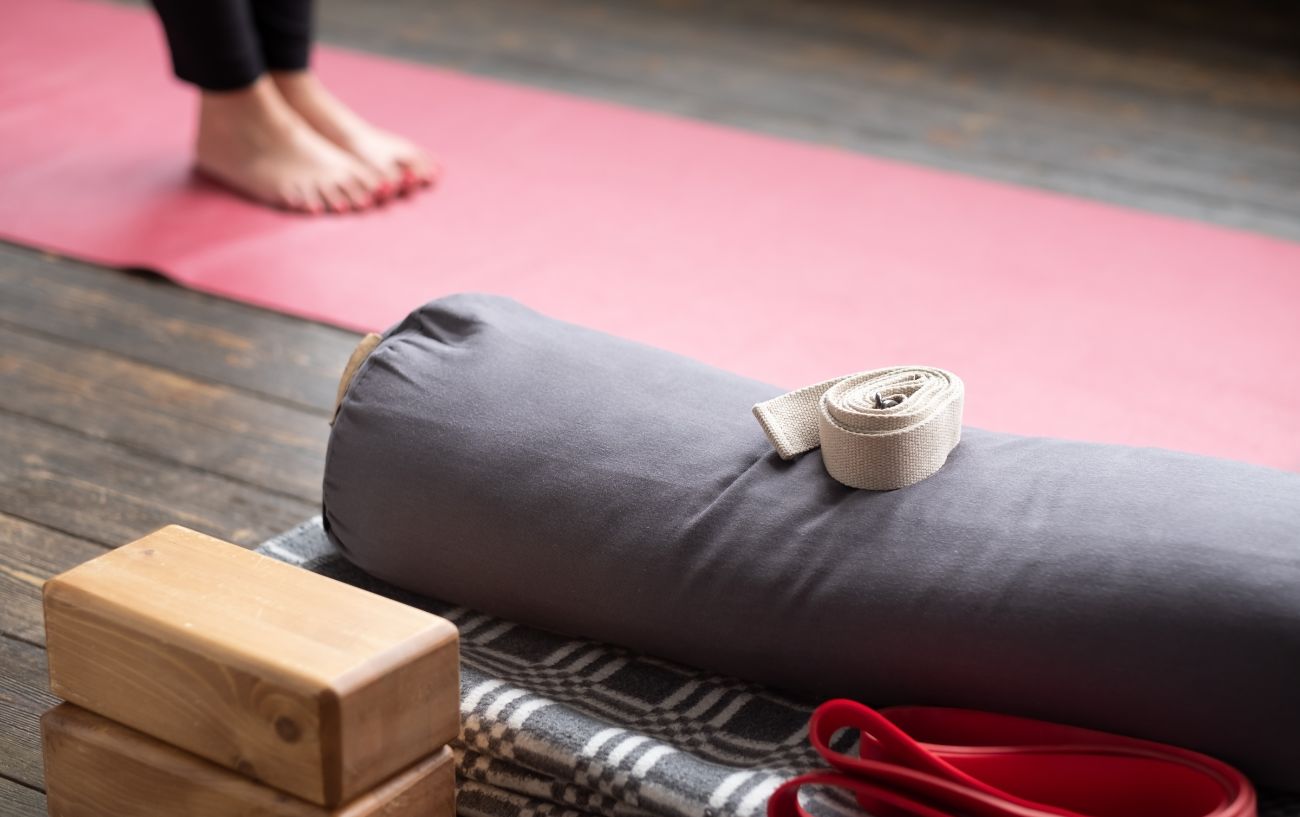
pixel 154 456
pixel 306 408
pixel 106 545
pixel 21 640
pixel 55 529
pixel 22 783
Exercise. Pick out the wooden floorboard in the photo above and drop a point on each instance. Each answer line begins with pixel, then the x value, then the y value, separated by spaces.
pixel 149 320
pixel 171 416
pixel 127 403
pixel 31 554
pixel 109 494
pixel 24 696
pixel 19 800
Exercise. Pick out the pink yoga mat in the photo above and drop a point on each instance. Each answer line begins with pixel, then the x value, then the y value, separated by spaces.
pixel 784 261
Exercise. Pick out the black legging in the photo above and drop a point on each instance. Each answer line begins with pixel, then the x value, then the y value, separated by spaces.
pixel 222 45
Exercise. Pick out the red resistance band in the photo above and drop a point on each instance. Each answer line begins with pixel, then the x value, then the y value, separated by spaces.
pixel 933 762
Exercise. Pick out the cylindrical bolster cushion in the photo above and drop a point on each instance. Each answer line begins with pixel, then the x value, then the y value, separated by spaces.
pixel 489 456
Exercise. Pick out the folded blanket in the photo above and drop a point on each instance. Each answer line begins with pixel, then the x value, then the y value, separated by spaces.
pixel 574 481
pixel 556 727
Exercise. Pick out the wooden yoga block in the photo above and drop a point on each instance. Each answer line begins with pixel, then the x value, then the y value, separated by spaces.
pixel 95 767
pixel 307 684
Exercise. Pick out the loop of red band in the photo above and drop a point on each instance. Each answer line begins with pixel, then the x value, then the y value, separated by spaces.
pixel 935 762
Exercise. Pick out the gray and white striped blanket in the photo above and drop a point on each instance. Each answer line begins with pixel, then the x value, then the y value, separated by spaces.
pixel 557 727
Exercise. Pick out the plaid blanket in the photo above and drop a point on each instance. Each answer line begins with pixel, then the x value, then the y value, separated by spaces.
pixel 558 727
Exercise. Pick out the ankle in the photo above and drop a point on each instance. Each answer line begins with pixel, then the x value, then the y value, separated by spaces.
pixel 308 97
pixel 260 101
pixel 296 86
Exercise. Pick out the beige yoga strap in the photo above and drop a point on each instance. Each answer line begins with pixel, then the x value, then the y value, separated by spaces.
pixel 878 430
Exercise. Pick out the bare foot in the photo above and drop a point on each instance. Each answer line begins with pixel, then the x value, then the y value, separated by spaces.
pixel 399 162
pixel 254 142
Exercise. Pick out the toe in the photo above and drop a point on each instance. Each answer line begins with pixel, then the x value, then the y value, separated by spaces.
pixel 358 196
pixel 312 200
pixel 406 181
pixel 372 183
pixel 420 168
pixel 412 177
pixel 333 197
pixel 394 178
pixel 291 198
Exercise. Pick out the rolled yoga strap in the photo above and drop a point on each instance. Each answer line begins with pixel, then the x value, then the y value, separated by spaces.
pixel 878 430
pixel 977 764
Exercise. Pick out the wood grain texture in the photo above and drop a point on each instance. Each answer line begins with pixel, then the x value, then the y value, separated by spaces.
pixel 312 686
pixel 96 767
pixel 19 800
pixel 30 554
pixel 175 417
pixel 23 697
pixel 109 494
pixel 147 319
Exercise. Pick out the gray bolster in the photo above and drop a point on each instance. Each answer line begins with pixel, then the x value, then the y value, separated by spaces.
pixel 492 457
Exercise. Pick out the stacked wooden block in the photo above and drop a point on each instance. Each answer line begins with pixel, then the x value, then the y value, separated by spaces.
pixel 204 680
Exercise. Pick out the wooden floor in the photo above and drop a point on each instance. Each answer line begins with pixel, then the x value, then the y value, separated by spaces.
pixel 126 403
